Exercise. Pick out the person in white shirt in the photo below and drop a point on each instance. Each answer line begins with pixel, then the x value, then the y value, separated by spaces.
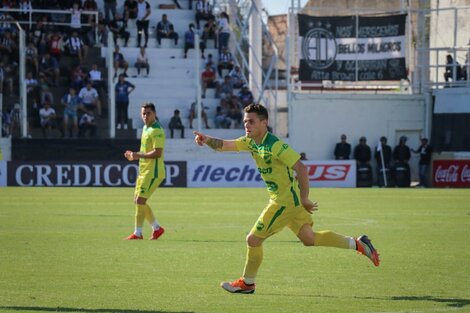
pixel 47 117
pixel 75 17
pixel 96 77
pixel 142 61
pixel 224 31
pixel 90 98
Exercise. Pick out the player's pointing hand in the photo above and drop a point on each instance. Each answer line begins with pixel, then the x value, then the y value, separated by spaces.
pixel 199 138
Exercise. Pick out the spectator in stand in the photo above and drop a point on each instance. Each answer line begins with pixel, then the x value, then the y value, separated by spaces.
pixel 176 123
pixel 90 98
pixel 425 156
pixel 102 30
pixel 47 116
pixel 118 27
pixel 31 57
pixel 75 18
pixel 237 77
pixel 119 61
pixel 225 89
pixel 165 29
pixel 142 22
pixel 76 47
pixel 451 67
pixel 87 124
pixel 207 80
pixel 55 45
pixel 38 35
pixel 303 156
pixel 362 152
pixel 77 77
pixel 245 97
pixel 130 10
pixel 193 114
pixel 203 12
pixel 225 61
pixel 72 103
pixel 342 149
pixel 224 31
pixel 44 89
pixel 96 78
pixel 122 89
pixel 8 45
pixel 50 67
pixel 234 112
pixel 209 32
pixel 25 7
pixel 142 62
pixel 221 119
pixel 32 88
pixel 210 61
pixel 110 7
pixel 189 41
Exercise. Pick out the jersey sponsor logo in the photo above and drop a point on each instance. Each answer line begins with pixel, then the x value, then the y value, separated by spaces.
pixel 328 172
pixel 267 170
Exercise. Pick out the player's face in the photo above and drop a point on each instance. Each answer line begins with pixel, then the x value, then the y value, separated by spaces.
pixel 148 116
pixel 254 127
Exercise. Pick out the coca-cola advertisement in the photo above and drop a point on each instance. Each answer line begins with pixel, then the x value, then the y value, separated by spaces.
pixel 451 173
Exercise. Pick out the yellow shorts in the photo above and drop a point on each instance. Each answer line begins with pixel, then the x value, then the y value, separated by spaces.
pixel 145 186
pixel 275 217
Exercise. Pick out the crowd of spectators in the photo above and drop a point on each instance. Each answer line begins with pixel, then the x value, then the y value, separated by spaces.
pixel 72 30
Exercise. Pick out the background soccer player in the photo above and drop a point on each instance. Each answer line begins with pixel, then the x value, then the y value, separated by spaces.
pixel 151 171
pixel 289 203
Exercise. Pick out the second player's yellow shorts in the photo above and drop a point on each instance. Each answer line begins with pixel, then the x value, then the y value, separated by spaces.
pixel 145 186
pixel 276 216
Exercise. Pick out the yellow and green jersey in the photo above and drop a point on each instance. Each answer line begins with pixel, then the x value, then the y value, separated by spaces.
pixel 152 137
pixel 274 160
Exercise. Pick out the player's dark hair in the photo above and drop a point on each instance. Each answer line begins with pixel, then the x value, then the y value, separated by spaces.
pixel 149 105
pixel 259 109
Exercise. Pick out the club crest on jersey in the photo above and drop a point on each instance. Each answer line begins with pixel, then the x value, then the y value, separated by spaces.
pixel 259 225
pixel 272 186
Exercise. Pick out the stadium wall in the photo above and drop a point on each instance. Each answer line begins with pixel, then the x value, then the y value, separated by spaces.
pixel 316 121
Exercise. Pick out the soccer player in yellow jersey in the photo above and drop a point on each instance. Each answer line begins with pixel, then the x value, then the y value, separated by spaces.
pixel 289 203
pixel 151 171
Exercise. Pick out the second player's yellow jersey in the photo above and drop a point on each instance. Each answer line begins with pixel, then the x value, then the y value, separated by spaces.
pixel 274 160
pixel 152 137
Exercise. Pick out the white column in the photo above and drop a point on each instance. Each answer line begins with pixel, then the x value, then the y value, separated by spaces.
pixel 23 95
pixel 111 92
pixel 255 53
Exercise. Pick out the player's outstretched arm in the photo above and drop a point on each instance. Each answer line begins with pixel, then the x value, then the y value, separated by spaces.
pixel 214 143
pixel 304 187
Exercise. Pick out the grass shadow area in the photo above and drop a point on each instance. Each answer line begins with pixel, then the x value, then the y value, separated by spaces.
pixel 63 309
pixel 452 302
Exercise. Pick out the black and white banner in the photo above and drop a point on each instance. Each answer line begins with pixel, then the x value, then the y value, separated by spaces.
pixel 346 48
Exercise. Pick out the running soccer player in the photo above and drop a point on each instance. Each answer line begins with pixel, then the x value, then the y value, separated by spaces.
pixel 151 171
pixel 289 204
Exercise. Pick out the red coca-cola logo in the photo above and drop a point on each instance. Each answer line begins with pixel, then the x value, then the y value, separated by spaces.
pixel 450 174
pixel 328 172
pixel 465 175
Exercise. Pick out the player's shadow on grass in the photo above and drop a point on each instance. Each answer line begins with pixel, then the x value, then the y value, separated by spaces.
pixel 452 302
pixel 71 310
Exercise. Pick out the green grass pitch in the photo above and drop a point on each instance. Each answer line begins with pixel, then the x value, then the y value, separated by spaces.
pixel 61 250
